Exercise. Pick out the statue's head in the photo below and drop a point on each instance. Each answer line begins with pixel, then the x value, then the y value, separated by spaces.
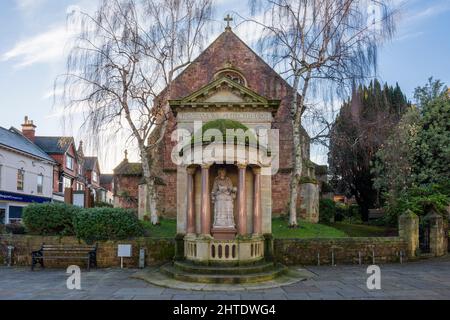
pixel 222 173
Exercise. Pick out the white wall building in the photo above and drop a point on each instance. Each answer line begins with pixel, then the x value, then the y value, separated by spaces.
pixel 26 175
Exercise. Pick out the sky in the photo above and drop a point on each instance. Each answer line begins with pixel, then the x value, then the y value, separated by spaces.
pixel 33 35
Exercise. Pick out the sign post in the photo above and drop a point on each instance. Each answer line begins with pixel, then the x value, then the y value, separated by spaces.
pixel 124 251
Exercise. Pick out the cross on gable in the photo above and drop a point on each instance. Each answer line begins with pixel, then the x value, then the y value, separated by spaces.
pixel 228 19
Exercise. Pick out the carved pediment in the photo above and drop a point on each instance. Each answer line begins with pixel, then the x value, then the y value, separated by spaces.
pixel 224 92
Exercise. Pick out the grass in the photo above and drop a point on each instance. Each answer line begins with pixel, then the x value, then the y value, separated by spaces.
pixel 168 229
pixel 361 230
pixel 307 230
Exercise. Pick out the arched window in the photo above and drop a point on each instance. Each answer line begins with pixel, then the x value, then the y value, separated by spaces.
pixel 232 75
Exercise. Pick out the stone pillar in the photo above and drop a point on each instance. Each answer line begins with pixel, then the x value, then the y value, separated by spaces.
pixel 310 195
pixel 241 205
pixel 437 234
pixel 408 226
pixel 190 215
pixel 257 216
pixel 206 202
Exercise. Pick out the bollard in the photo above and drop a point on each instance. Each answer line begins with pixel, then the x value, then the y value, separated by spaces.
pixel 332 258
pixel 373 256
pixel 142 259
pixel 359 258
pixel 318 259
pixel 401 257
pixel 10 253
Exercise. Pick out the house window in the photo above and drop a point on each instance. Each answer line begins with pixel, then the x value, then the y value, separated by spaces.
pixel 20 179
pixel 94 176
pixel 69 162
pixel 67 183
pixel 40 184
pixel 15 214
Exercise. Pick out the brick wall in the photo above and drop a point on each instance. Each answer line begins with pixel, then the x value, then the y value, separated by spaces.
pixel 157 250
pixel 306 251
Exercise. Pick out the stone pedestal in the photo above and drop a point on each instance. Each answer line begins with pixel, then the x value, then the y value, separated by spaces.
pixel 224 233
pixel 408 226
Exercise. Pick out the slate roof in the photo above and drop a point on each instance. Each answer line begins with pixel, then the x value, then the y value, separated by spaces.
pixel 14 139
pixel 129 169
pixel 106 179
pixel 54 145
pixel 89 163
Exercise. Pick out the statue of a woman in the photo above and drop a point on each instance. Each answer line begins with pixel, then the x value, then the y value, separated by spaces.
pixel 223 196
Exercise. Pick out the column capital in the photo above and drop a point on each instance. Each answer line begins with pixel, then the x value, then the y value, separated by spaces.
pixel 191 170
pixel 256 170
pixel 242 165
pixel 206 165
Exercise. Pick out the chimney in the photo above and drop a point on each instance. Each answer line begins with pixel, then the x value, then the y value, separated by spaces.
pixel 29 129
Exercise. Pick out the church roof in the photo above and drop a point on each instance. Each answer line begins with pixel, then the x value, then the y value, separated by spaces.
pixel 229 50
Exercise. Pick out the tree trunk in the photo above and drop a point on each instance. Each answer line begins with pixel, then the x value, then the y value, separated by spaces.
pixel 151 188
pixel 297 157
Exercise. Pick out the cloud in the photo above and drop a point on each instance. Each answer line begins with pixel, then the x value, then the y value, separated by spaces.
pixel 42 48
pixel 427 11
pixel 29 5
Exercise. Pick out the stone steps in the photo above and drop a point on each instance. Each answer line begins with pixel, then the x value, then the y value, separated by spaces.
pixel 233 277
pixel 223 270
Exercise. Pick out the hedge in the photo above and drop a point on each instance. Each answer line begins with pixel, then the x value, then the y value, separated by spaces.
pixel 100 224
pixel 50 219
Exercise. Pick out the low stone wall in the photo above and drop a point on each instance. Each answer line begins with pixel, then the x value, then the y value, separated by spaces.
pixel 346 250
pixel 157 250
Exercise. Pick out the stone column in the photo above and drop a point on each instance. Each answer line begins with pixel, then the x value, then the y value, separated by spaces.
pixel 241 205
pixel 437 234
pixel 257 216
pixel 190 218
pixel 408 226
pixel 206 202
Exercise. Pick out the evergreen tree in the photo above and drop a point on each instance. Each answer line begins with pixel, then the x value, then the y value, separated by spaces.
pixel 361 128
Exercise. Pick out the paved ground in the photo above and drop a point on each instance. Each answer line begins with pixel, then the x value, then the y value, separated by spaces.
pixel 419 280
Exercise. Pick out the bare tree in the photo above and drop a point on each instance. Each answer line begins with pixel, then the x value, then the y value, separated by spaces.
pixel 125 56
pixel 320 46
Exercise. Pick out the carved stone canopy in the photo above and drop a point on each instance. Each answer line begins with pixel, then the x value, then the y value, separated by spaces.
pixel 225 93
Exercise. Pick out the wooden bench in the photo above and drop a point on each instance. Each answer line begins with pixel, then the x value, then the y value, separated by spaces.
pixel 65 252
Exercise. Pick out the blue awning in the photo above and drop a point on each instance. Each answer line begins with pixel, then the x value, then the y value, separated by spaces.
pixel 24 198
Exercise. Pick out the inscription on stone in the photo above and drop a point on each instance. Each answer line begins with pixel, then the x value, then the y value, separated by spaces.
pixel 242 116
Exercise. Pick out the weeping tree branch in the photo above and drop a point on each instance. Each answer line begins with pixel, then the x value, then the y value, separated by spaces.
pixel 125 55
pixel 322 47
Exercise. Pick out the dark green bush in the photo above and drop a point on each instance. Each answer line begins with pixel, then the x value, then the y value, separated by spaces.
pixel 101 204
pixel 327 210
pixel 419 200
pixel 15 228
pixel 99 224
pixel 50 219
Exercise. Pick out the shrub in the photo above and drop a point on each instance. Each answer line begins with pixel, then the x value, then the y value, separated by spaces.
pixel 99 224
pixel 15 228
pixel 419 200
pixel 50 219
pixel 101 204
pixel 327 209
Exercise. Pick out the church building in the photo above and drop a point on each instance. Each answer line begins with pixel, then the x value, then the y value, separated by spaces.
pixel 230 85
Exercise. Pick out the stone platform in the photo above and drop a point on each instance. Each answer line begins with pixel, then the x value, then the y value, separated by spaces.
pixel 258 277
pixel 189 272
